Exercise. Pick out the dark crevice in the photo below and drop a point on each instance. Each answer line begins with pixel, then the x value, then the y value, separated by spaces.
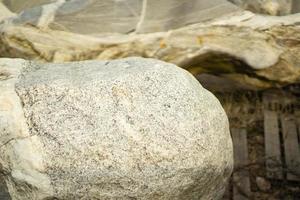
pixel 218 64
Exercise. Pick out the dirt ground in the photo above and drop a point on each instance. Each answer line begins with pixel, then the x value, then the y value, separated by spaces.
pixel 245 110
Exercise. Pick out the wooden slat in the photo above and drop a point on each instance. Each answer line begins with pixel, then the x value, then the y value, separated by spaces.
pixel 272 145
pixel 271 100
pixel 3 190
pixel 241 181
pixel 298 124
pixel 291 146
pixel 227 195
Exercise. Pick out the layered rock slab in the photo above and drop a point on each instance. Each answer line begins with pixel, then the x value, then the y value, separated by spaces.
pixel 257 51
pixel 124 129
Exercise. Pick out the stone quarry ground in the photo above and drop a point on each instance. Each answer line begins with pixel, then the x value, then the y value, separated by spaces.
pixel 245 110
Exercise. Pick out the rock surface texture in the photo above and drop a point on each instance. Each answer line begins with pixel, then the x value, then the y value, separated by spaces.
pixel 255 50
pixel 124 129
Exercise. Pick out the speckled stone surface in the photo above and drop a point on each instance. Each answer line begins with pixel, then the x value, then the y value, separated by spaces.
pixel 125 129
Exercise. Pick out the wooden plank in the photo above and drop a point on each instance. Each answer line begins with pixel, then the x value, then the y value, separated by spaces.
pixel 271 100
pixel 298 125
pixel 272 145
pixel 291 146
pixel 227 195
pixel 295 6
pixel 3 190
pixel 241 181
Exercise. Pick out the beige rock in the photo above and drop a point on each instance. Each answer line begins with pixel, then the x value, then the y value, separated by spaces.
pixel 20 152
pixel 258 51
pixel 263 184
pixel 271 7
pixel 125 129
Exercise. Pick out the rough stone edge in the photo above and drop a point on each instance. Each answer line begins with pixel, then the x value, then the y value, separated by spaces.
pixel 21 158
pixel 25 42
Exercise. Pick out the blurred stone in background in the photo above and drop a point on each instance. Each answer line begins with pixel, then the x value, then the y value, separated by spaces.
pixel 214 37
pixel 270 7
pixel 118 16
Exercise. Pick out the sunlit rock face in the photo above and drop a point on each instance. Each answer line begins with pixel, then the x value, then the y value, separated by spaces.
pixel 126 129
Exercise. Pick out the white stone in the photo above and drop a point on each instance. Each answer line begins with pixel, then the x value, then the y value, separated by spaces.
pixel 125 129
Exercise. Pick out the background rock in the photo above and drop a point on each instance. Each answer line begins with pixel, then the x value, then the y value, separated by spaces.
pixel 132 128
pixel 271 7
pixel 117 16
pixel 4 12
pixel 18 6
pixel 256 51
pixel 263 184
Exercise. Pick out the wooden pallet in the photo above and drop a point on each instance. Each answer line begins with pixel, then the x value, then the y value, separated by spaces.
pixel 240 177
pixel 282 148
pixel 272 145
pixel 239 186
pixel 3 190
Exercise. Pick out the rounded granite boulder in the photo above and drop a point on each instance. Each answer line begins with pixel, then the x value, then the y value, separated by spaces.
pixel 133 128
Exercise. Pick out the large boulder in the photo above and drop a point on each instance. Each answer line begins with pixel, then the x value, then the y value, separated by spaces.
pixel 125 129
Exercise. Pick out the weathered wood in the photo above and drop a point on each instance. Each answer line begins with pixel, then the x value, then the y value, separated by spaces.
pixel 227 193
pixel 291 146
pixel 272 145
pixel 3 190
pixel 241 181
pixel 271 100
pixel 298 125
pixel 295 6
